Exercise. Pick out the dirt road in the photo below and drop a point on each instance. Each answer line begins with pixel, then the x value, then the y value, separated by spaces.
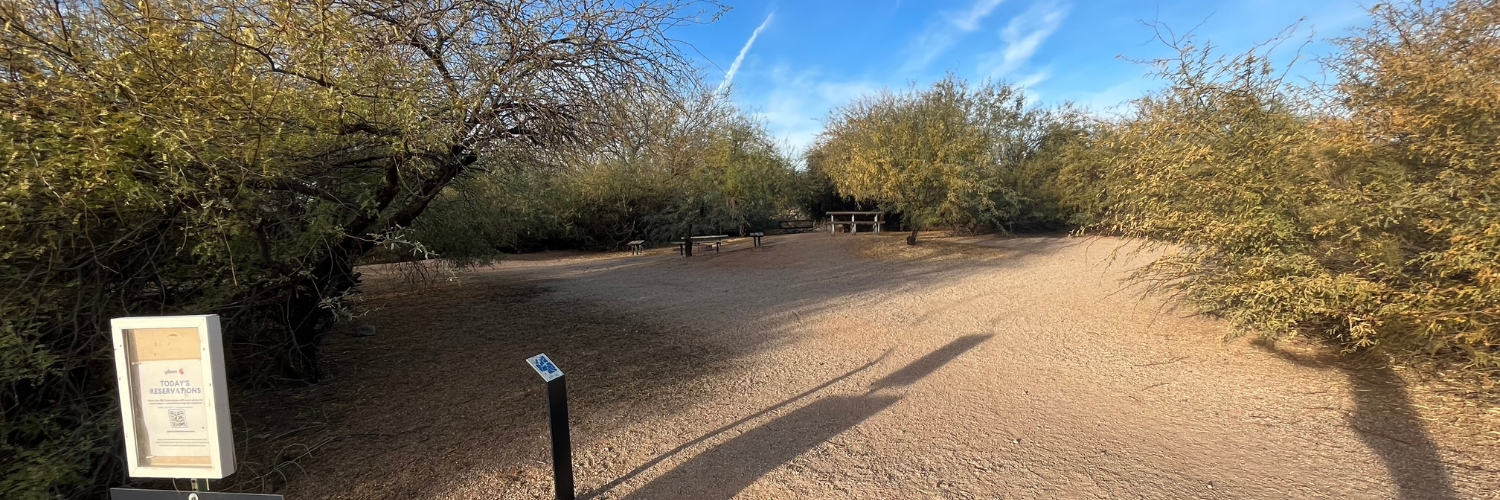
pixel 826 367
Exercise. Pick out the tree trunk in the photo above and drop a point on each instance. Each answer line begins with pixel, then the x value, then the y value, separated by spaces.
pixel 734 208
pixel 307 318
pixel 912 238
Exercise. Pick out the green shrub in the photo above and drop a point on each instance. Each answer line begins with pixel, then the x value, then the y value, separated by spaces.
pixel 696 166
pixel 1364 211
pixel 951 155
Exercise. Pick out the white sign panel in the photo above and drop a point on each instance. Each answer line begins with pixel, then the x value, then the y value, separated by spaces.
pixel 173 407
pixel 544 367
pixel 173 396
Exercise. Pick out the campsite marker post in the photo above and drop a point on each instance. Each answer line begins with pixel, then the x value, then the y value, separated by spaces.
pixel 557 415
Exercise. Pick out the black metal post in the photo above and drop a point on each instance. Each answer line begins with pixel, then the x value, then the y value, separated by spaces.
pixel 562 443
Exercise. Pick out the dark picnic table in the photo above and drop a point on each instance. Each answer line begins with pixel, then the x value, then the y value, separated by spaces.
pixel 714 241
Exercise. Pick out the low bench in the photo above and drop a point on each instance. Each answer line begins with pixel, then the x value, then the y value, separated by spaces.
pixel 756 237
pixel 637 247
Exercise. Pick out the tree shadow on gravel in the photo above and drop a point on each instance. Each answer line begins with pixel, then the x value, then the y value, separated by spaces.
pixel 684 446
pixel 727 469
pixel 924 366
pixel 1386 422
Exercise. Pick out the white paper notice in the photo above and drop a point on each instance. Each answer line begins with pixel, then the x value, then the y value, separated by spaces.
pixel 172 409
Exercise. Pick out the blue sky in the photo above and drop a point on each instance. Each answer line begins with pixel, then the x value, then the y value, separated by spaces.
pixel 809 57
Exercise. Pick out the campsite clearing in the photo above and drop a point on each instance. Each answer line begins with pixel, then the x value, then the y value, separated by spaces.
pixel 822 366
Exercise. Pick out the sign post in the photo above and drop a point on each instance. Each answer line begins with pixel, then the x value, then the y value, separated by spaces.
pixel 557 415
pixel 134 494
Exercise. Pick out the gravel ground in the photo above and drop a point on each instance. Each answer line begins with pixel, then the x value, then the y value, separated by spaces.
pixel 823 366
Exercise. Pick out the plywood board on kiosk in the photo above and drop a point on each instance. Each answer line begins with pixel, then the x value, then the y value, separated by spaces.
pixel 151 344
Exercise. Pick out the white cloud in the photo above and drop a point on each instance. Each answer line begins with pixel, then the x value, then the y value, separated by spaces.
pixel 1115 100
pixel 926 47
pixel 1031 80
pixel 969 21
pixel 735 67
pixel 798 102
pixel 1023 35
pixel 941 34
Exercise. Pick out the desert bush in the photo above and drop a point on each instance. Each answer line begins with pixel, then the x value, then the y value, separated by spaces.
pixel 923 152
pixel 816 191
pixel 692 164
pixel 951 155
pixel 1042 145
pixel 1363 211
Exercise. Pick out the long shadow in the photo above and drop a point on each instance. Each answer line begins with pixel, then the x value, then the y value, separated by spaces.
pixel 924 366
pixel 710 434
pixel 1384 419
pixel 729 468
pixel 1386 422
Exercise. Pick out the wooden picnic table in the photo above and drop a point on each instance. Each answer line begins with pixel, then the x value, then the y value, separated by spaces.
pixel 852 225
pixel 714 241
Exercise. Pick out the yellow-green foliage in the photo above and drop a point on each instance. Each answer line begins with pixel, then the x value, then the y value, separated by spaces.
pixel 948 155
pixel 951 155
pixel 235 157
pixel 1366 211
pixel 690 164
pixel 922 153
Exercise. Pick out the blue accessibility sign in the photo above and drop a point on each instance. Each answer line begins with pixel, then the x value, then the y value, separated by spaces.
pixel 544 367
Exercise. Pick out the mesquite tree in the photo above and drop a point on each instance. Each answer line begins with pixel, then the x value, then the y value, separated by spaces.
pixel 936 155
pixel 236 156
